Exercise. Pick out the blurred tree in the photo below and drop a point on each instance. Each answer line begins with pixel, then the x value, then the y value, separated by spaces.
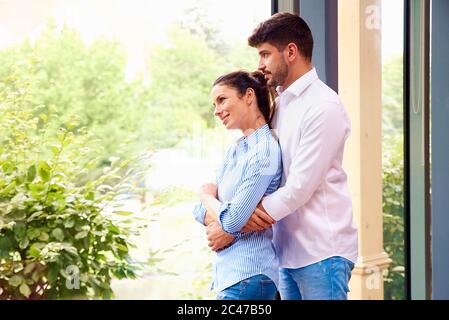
pixel 392 96
pixel 70 78
pixel 182 74
pixel 198 22
pixel 393 176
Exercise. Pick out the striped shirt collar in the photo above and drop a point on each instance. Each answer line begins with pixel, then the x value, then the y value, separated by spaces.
pixel 247 142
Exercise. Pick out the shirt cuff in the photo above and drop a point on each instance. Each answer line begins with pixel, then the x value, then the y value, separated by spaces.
pixel 226 226
pixel 274 207
pixel 199 213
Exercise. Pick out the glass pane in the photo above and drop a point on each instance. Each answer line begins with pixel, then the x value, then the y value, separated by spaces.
pixel 392 145
pixel 117 88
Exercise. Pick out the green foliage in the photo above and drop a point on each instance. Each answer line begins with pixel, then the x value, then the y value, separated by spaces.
pixel 54 231
pixel 393 215
pixel 392 96
pixel 70 78
pixel 393 176
pixel 183 74
pixel 198 22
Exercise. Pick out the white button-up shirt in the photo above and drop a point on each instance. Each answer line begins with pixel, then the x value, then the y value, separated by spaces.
pixel 312 207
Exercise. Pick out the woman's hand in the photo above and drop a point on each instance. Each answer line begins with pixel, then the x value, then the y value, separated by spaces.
pixel 209 189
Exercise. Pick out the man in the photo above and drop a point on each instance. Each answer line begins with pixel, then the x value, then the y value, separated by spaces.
pixel 311 212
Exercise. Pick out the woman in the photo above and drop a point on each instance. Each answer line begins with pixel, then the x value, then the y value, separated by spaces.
pixel 248 268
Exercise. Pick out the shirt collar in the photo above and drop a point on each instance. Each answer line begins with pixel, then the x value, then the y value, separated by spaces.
pixel 301 84
pixel 247 142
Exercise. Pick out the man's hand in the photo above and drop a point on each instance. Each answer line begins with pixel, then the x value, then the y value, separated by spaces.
pixel 259 220
pixel 218 239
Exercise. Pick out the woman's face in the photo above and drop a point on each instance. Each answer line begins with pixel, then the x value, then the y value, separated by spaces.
pixel 232 110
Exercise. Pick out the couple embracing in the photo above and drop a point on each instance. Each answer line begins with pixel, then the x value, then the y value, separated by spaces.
pixel 279 214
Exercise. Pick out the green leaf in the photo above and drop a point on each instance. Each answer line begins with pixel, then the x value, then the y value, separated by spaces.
pixel 31 173
pixel 36 187
pixel 35 215
pixel 44 117
pixel 71 250
pixel 44 170
pixel 90 195
pixel 9 188
pixel 36 275
pixel 53 273
pixel 44 236
pixel 123 213
pixel 35 249
pixel 15 281
pixel 24 243
pixel 121 247
pixel 69 223
pixel 17 215
pixel 81 234
pixel 20 231
pixel 114 229
pixel 58 234
pixel 33 233
pixel 29 268
pixel 25 290
pixel 55 149
pixel 7 244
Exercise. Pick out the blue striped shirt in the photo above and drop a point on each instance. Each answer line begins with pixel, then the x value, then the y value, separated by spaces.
pixel 251 169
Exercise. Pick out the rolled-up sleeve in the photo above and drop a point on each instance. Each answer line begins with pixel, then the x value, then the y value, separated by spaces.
pixel 322 138
pixel 234 214
pixel 199 213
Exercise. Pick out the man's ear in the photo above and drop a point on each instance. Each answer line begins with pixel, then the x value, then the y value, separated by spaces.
pixel 291 51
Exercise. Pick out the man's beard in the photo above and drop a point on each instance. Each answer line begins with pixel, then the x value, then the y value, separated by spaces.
pixel 279 76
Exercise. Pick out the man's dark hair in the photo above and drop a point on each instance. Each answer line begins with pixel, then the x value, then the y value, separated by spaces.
pixel 281 29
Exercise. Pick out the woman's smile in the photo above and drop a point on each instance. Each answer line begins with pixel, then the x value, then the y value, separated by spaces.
pixel 225 119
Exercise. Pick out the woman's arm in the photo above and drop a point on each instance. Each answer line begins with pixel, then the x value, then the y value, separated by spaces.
pixel 217 237
pixel 208 197
pixel 263 168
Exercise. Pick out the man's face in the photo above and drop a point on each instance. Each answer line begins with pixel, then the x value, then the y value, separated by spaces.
pixel 273 64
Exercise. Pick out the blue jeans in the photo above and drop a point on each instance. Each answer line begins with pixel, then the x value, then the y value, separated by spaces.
pixel 324 280
pixel 258 287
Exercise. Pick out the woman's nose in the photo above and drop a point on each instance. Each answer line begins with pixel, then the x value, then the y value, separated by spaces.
pixel 217 111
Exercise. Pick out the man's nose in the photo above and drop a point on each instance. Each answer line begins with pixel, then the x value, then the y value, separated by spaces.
pixel 261 66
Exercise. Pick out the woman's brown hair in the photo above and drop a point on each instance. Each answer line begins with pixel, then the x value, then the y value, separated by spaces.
pixel 242 80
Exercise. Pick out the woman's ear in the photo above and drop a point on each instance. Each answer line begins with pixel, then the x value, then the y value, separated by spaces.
pixel 250 96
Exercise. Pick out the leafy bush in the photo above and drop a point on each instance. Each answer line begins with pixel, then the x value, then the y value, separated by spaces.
pixel 393 175
pixel 58 239
pixel 393 215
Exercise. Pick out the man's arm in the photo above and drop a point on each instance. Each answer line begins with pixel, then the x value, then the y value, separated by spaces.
pixel 259 220
pixel 260 173
pixel 233 215
pixel 324 133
